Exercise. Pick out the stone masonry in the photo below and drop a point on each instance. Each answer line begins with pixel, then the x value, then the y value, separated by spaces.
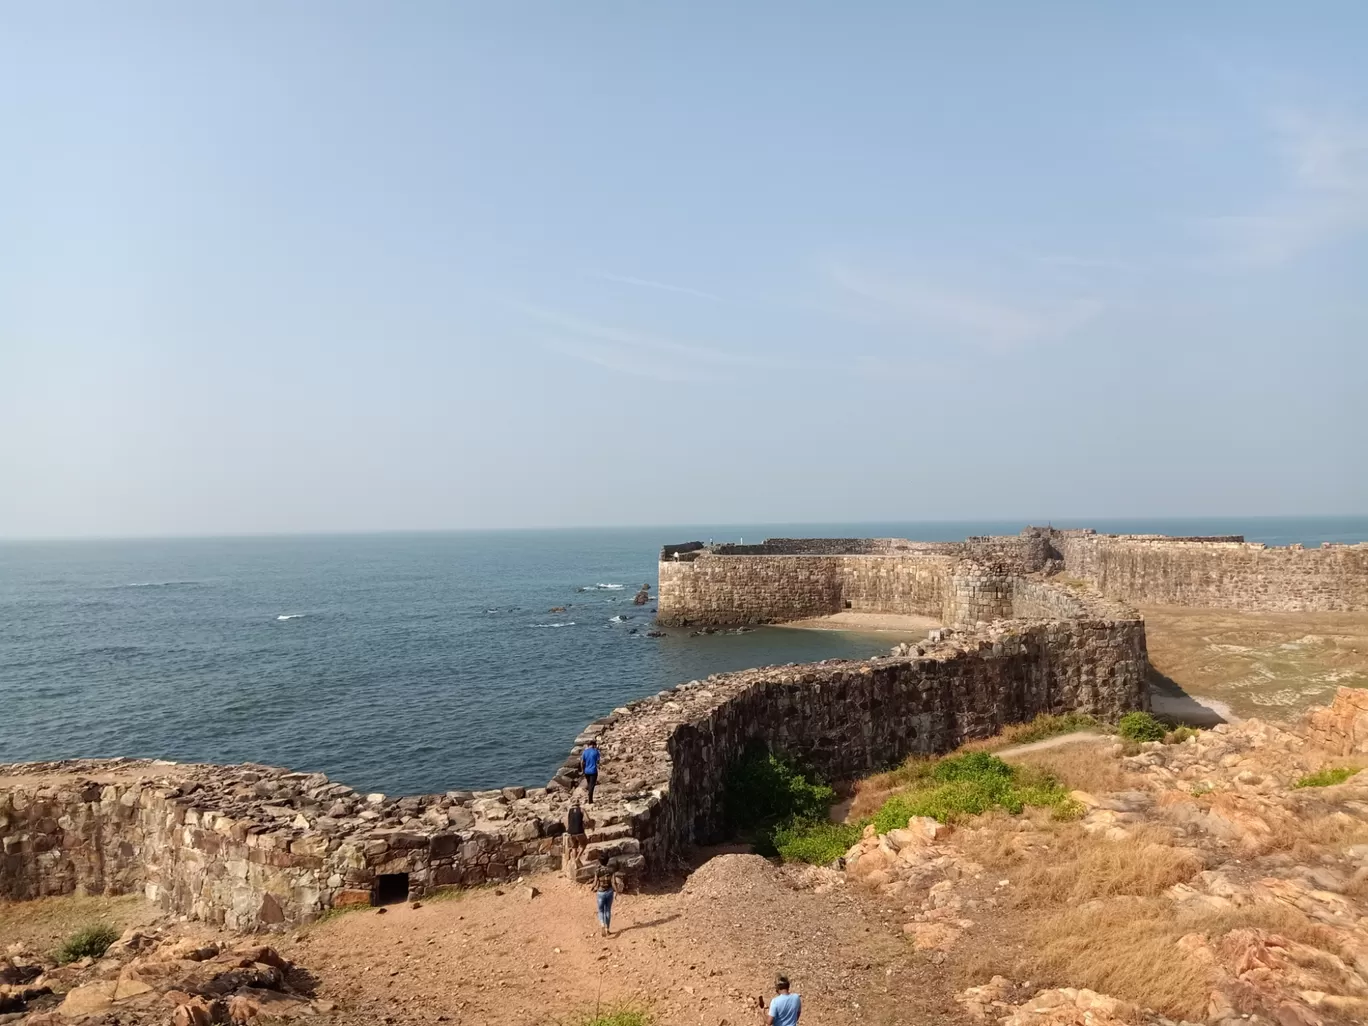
pixel 786 579
pixel 1227 573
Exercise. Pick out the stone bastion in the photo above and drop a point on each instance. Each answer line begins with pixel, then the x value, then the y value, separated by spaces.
pixel 1036 623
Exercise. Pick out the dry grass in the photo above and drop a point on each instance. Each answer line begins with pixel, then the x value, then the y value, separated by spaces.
pixel 1080 866
pixel 1308 836
pixel 872 792
pixel 1083 767
pixel 44 922
pixel 1126 947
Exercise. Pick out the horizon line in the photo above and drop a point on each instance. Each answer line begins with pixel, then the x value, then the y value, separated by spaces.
pixel 367 532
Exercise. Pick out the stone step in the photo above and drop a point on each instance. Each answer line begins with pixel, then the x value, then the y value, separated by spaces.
pixel 611 849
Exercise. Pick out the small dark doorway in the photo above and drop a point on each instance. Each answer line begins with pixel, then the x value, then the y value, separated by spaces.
pixel 390 889
pixel 847 605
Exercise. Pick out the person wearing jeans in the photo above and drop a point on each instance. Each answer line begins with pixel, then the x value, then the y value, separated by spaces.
pixel 603 891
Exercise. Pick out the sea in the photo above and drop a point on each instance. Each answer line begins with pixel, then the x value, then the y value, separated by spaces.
pixel 402 663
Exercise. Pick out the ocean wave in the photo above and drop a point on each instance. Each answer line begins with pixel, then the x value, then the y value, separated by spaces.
pixel 157 584
pixel 570 624
pixel 610 587
pixel 290 616
pixel 618 619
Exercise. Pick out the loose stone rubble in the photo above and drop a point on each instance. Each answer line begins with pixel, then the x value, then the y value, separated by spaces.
pixel 155 975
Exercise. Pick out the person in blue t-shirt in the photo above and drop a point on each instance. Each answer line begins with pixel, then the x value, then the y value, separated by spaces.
pixel 784 1008
pixel 589 762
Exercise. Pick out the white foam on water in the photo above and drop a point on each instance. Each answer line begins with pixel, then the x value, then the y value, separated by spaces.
pixel 570 624
pixel 290 616
pixel 617 619
pixel 610 587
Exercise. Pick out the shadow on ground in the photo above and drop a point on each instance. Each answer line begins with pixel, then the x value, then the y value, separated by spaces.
pixel 1169 701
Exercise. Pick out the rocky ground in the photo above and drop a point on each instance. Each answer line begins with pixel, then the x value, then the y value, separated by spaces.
pixel 1196 884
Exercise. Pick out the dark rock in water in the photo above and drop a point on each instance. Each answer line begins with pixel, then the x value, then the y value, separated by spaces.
pixel 643 596
pixel 556 609
pixel 632 631
pixel 655 634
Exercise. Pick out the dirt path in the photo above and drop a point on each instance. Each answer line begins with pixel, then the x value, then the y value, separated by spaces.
pixel 1077 737
pixel 697 955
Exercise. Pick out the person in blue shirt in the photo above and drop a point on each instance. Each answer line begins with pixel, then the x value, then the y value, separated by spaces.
pixel 784 1008
pixel 589 762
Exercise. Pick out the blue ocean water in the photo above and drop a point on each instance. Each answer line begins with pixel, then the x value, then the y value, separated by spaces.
pixel 396 662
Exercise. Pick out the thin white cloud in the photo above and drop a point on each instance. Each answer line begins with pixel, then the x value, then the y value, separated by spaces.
pixel 1324 199
pixel 661 285
pixel 641 354
pixel 973 318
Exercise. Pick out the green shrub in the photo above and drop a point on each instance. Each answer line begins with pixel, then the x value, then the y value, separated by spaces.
pixel 88 942
pixel 1326 777
pixel 763 789
pixel 1141 726
pixel 1179 735
pixel 814 843
pixel 770 801
pixel 976 766
pixel 970 785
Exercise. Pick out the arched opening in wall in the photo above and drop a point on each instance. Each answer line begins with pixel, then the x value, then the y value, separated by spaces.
pixel 390 889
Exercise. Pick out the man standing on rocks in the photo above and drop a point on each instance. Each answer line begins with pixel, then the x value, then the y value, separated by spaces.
pixel 784 1008
pixel 589 762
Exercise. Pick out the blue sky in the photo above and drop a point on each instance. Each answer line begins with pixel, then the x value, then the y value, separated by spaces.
pixel 342 266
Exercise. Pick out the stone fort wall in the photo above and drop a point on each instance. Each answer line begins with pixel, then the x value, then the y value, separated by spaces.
pixel 253 847
pixel 1225 573
pixel 777 581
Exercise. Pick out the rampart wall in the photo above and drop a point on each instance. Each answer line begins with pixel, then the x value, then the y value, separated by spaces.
pixel 776 581
pixel 1218 573
pixel 724 590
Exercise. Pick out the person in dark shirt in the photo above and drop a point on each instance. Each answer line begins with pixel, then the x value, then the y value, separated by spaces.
pixel 602 882
pixel 589 762
pixel 574 832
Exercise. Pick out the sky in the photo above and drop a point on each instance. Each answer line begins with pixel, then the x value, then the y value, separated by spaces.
pixel 330 266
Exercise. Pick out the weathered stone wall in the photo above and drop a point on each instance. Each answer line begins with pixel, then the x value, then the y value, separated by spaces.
pixel 848 718
pixel 786 578
pixel 729 590
pixel 252 846
pixel 1222 574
